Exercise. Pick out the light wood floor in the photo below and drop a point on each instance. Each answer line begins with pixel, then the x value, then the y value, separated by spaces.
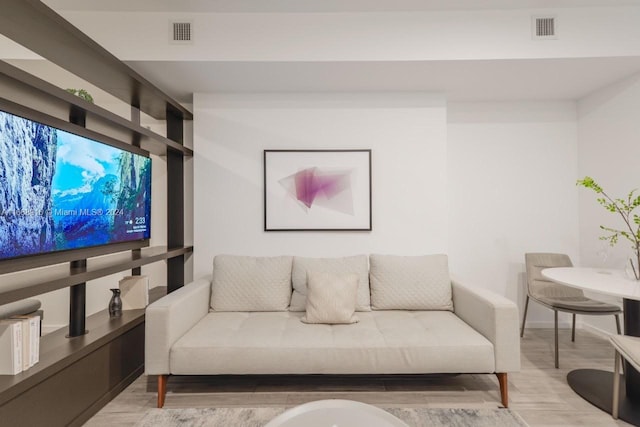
pixel 539 392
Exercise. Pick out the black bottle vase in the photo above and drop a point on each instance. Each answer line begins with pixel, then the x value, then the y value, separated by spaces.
pixel 115 304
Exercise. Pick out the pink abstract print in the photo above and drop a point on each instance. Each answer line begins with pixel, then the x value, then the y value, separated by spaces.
pixel 317 190
pixel 329 189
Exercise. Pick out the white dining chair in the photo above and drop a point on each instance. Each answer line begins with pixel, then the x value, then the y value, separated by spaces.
pixel 560 297
pixel 627 348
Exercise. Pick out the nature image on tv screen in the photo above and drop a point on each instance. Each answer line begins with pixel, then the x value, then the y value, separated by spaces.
pixel 61 191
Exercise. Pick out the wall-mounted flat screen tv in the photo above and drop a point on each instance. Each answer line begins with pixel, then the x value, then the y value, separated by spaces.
pixel 61 191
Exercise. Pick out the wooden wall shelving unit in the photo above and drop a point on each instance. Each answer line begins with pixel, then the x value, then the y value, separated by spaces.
pixel 24 85
pixel 35 26
pixel 96 268
pixel 77 376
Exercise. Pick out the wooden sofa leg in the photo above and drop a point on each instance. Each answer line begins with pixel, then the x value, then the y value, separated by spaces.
pixel 162 389
pixel 504 391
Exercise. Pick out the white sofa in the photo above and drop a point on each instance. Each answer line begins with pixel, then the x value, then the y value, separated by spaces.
pixel 413 319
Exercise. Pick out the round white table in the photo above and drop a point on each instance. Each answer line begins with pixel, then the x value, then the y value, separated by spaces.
pixel 336 413
pixel 596 386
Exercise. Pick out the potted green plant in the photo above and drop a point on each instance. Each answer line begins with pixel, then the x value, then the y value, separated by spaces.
pixel 82 94
pixel 624 208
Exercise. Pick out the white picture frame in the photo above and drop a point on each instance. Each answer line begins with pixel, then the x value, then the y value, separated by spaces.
pixel 317 190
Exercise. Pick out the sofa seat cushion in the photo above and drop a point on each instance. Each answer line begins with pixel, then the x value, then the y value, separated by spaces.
pixel 383 342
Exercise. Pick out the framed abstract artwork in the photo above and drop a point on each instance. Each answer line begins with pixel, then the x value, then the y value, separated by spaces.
pixel 317 190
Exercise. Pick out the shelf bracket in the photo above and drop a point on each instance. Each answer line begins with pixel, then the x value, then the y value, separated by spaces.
pixel 77 302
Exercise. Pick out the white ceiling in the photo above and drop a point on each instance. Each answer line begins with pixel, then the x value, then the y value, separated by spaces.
pixel 526 79
pixel 461 80
pixel 310 6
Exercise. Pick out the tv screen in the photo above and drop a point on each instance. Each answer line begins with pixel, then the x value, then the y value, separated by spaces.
pixel 62 191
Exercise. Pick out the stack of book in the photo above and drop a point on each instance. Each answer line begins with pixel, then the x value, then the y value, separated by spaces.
pixel 19 343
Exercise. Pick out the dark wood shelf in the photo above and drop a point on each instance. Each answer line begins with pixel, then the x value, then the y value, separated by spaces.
pixel 19 286
pixel 37 27
pixel 58 352
pixel 22 85
pixel 75 377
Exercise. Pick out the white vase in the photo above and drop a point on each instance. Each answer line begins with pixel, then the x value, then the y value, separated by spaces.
pixel 632 268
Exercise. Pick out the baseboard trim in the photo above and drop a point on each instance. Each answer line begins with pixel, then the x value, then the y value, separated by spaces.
pixel 596 331
pixel 566 325
pixel 538 324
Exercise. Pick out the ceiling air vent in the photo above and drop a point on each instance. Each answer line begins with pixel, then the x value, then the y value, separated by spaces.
pixel 544 27
pixel 181 32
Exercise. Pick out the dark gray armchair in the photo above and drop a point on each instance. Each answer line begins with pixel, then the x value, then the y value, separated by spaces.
pixel 560 297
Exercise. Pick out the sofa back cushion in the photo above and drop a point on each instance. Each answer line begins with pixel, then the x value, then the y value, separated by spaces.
pixel 243 283
pixel 410 282
pixel 336 266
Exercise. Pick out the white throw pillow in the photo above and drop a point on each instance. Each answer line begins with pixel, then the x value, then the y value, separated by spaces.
pixel 242 283
pixel 410 282
pixel 337 266
pixel 331 299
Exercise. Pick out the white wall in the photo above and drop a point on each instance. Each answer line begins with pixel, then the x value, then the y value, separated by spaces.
pixel 608 129
pixel 511 177
pixel 483 182
pixel 407 135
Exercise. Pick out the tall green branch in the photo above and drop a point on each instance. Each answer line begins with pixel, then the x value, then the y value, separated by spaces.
pixel 625 209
